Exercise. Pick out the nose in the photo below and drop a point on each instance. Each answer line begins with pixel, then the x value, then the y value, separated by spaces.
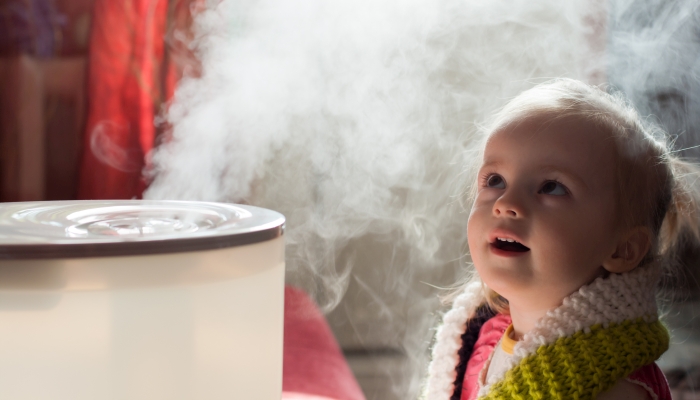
pixel 508 206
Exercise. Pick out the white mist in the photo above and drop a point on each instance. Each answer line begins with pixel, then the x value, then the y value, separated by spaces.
pixel 358 121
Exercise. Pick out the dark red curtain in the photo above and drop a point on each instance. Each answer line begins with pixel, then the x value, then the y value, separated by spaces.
pixel 130 77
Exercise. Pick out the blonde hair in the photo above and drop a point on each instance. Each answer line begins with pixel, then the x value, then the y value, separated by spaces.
pixel 654 188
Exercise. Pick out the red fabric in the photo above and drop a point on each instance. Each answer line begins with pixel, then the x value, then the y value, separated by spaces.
pixel 489 335
pixel 314 365
pixel 126 51
pixel 302 396
pixel 653 380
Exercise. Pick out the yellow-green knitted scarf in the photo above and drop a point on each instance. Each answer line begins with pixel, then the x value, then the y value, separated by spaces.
pixel 585 364
pixel 597 336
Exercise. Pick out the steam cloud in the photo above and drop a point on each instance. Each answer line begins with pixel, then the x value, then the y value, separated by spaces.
pixel 654 57
pixel 107 150
pixel 356 119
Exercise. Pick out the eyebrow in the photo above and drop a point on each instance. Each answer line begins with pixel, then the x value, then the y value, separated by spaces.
pixel 545 168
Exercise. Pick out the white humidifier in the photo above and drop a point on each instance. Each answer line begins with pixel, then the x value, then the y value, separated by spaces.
pixel 140 300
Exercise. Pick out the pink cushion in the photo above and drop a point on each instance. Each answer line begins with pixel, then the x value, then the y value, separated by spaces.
pixel 314 365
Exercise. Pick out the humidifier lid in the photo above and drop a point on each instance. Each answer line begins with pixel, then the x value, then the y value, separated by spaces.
pixel 96 228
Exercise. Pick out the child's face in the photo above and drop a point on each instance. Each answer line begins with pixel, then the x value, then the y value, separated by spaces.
pixel 551 188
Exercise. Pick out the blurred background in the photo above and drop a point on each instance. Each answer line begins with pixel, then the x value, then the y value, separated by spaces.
pixel 355 121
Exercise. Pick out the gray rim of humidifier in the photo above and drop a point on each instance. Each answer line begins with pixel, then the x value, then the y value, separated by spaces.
pixel 94 228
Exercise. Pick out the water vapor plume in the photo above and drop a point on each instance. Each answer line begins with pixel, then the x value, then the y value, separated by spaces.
pixel 654 58
pixel 356 119
pixel 111 152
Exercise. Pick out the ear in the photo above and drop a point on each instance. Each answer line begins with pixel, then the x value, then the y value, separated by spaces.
pixel 630 250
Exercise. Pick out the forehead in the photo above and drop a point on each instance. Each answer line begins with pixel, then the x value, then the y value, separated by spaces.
pixel 569 144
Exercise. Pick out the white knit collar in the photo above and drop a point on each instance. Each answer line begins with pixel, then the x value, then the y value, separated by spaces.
pixel 616 298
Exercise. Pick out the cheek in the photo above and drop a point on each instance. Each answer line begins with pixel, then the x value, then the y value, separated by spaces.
pixel 471 230
pixel 581 236
pixel 476 238
pixel 475 225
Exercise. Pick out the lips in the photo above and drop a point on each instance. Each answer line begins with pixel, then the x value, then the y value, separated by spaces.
pixel 504 242
pixel 509 245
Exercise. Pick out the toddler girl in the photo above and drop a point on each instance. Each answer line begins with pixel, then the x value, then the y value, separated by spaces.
pixel 578 206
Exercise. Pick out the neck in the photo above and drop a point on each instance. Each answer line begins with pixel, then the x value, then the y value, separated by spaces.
pixel 524 320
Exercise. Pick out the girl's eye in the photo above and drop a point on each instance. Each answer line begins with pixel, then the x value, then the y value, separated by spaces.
pixel 496 182
pixel 554 188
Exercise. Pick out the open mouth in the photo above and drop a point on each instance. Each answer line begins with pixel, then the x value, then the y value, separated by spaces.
pixel 509 245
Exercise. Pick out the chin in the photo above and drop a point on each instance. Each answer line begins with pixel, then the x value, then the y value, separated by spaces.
pixel 502 283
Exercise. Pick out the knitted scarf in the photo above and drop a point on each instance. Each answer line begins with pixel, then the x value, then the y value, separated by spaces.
pixel 600 334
